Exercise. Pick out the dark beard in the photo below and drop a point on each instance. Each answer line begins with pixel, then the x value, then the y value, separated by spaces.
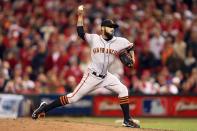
pixel 108 35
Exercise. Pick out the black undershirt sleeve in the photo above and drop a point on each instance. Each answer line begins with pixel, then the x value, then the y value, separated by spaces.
pixel 80 32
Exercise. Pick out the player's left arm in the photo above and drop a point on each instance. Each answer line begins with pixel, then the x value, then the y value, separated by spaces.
pixel 127 56
pixel 131 52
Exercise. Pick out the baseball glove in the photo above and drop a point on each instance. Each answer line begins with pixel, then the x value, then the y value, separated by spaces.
pixel 125 58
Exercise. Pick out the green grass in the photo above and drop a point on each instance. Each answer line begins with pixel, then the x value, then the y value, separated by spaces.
pixel 177 124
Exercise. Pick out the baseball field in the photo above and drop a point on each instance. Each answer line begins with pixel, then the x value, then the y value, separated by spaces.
pixel 96 124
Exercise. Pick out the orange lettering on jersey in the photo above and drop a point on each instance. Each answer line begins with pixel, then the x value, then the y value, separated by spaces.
pixel 110 51
pixel 103 50
pixel 94 50
pixel 97 50
pixel 107 50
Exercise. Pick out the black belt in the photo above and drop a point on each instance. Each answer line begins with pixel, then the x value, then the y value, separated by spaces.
pixel 101 76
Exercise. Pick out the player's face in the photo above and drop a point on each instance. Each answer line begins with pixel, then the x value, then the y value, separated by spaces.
pixel 108 32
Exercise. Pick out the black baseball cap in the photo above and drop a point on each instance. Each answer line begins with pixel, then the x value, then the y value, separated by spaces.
pixel 109 23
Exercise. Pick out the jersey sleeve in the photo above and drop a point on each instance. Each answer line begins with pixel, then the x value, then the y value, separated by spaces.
pixel 127 45
pixel 89 38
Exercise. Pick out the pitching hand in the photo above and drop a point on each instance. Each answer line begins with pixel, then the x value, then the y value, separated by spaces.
pixel 80 10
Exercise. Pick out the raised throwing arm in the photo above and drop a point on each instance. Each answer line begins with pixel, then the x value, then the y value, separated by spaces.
pixel 80 30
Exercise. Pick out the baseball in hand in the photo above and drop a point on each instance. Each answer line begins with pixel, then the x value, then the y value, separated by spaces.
pixel 80 8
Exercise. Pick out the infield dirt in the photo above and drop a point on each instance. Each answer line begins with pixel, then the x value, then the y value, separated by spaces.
pixel 27 124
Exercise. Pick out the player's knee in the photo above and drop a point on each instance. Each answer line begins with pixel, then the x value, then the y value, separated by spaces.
pixel 73 98
pixel 123 91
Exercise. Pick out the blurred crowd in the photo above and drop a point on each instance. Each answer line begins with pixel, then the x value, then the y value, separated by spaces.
pixel 40 52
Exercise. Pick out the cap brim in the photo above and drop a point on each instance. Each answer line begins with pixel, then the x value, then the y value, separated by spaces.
pixel 111 25
pixel 114 26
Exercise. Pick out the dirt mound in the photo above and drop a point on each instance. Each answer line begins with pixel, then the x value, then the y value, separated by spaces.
pixel 27 124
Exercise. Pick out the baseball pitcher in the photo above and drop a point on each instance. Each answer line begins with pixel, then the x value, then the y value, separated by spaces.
pixel 104 49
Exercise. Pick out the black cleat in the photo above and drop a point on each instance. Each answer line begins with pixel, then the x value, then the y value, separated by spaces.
pixel 131 123
pixel 39 112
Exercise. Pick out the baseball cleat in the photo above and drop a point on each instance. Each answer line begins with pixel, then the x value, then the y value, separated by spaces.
pixel 39 112
pixel 131 123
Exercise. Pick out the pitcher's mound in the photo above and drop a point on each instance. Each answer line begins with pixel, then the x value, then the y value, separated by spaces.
pixel 27 124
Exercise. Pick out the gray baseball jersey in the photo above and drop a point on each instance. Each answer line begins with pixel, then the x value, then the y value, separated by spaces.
pixel 103 52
